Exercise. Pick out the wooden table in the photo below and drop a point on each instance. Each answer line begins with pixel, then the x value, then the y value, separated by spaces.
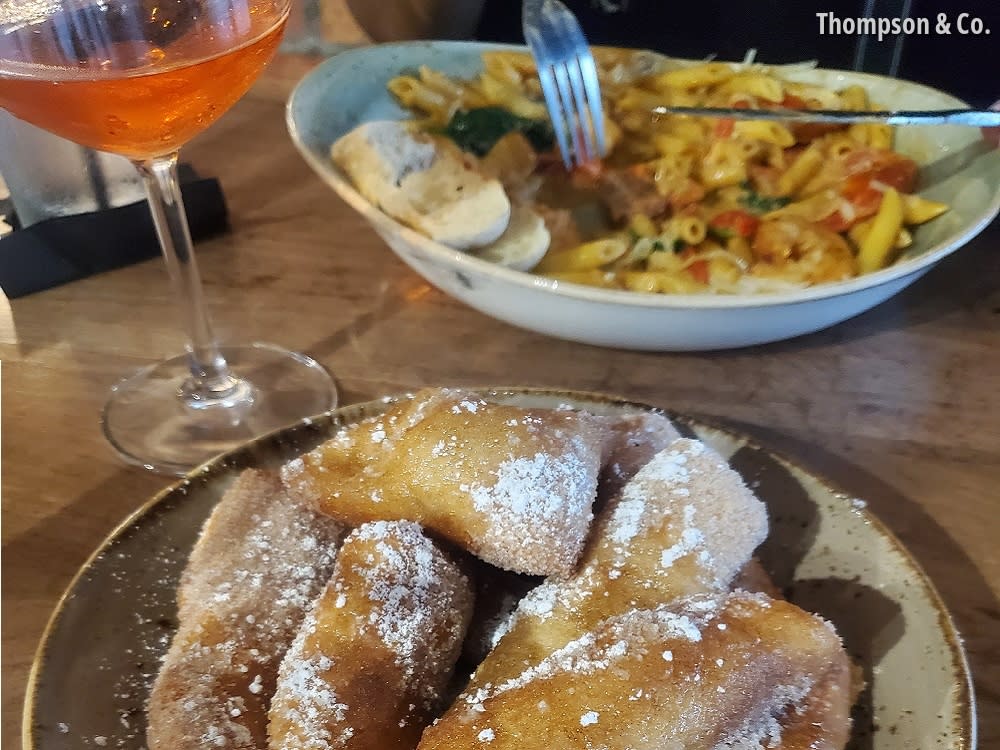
pixel 898 406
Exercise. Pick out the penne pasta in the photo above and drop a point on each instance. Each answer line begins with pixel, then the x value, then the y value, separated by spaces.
pixel 761 86
pixel 691 230
pixel 414 94
pixel 451 90
pixel 502 68
pixel 593 277
pixel 917 210
pixel 682 204
pixel 441 83
pixel 814 208
pixel 877 245
pixel 859 231
pixel 841 146
pixel 501 93
pixel 585 257
pixel 880 136
pixel 642 281
pixel 802 170
pixel 872 134
pixel 769 132
pixel 687 129
pixel 721 170
pixel 815 97
pixel 642 225
pixel 854 97
pixel 522 62
pixel 706 74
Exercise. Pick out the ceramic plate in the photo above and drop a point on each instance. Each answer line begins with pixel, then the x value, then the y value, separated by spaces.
pixel 957 167
pixel 101 649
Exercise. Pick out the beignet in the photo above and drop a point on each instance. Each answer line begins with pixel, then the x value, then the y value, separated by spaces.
pixel 260 561
pixel 370 663
pixel 511 485
pixel 740 674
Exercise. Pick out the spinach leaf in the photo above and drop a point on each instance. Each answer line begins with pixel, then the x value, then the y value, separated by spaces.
pixel 477 130
pixel 676 246
pixel 760 204
pixel 720 233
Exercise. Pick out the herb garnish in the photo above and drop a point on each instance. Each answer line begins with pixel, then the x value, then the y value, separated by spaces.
pixel 477 130
pixel 761 204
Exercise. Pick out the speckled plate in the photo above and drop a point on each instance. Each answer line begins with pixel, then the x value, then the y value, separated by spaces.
pixel 100 651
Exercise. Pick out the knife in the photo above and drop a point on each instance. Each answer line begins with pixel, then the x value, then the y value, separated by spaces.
pixel 970 117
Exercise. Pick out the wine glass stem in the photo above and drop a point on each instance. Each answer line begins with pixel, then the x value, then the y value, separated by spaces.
pixel 211 380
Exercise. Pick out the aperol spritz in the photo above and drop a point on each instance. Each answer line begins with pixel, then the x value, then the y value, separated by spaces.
pixel 140 78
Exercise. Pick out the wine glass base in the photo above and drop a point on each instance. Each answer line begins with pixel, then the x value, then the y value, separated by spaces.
pixel 150 422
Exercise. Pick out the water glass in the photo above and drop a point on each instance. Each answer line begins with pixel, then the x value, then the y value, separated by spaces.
pixel 49 176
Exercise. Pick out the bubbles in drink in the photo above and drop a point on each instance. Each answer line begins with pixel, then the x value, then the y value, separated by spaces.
pixel 116 126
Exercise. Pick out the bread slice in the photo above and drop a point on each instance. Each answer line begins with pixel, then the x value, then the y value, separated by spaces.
pixel 432 190
pixel 378 155
pixel 456 205
pixel 522 245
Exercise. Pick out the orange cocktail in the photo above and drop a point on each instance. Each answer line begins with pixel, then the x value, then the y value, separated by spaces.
pixel 140 78
pixel 146 96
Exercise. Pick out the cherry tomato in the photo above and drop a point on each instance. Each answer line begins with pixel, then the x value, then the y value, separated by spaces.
pixel 864 199
pixel 793 102
pixel 899 172
pixel 738 222
pixel 699 271
pixel 724 127
pixel 885 166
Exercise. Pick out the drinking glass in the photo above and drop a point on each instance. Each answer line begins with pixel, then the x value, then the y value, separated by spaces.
pixel 140 78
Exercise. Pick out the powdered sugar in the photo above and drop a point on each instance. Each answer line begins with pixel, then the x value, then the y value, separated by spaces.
pixel 540 601
pixel 537 507
pixel 692 539
pixel 258 564
pixel 487 735
pixel 305 699
pixel 521 480
pixel 407 594
pixel 405 580
pixel 534 487
pixel 626 519
pixel 598 650
pixel 764 730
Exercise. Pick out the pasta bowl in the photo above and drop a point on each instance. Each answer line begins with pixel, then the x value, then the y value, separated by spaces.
pixel 957 168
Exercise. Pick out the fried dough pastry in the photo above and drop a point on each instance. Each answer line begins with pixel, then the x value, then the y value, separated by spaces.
pixel 752 672
pixel 374 654
pixel 634 440
pixel 498 593
pixel 685 524
pixel 753 577
pixel 257 566
pixel 512 485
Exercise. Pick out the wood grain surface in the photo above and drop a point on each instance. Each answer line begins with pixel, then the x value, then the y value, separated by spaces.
pixel 897 406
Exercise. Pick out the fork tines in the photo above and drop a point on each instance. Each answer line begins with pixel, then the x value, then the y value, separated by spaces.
pixel 568 77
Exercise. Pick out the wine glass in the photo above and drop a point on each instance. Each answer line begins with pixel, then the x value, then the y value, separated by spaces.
pixel 140 78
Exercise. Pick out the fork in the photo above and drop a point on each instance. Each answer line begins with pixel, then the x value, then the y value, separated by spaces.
pixel 568 76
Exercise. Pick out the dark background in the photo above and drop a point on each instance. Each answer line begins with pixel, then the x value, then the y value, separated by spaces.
pixel 786 31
